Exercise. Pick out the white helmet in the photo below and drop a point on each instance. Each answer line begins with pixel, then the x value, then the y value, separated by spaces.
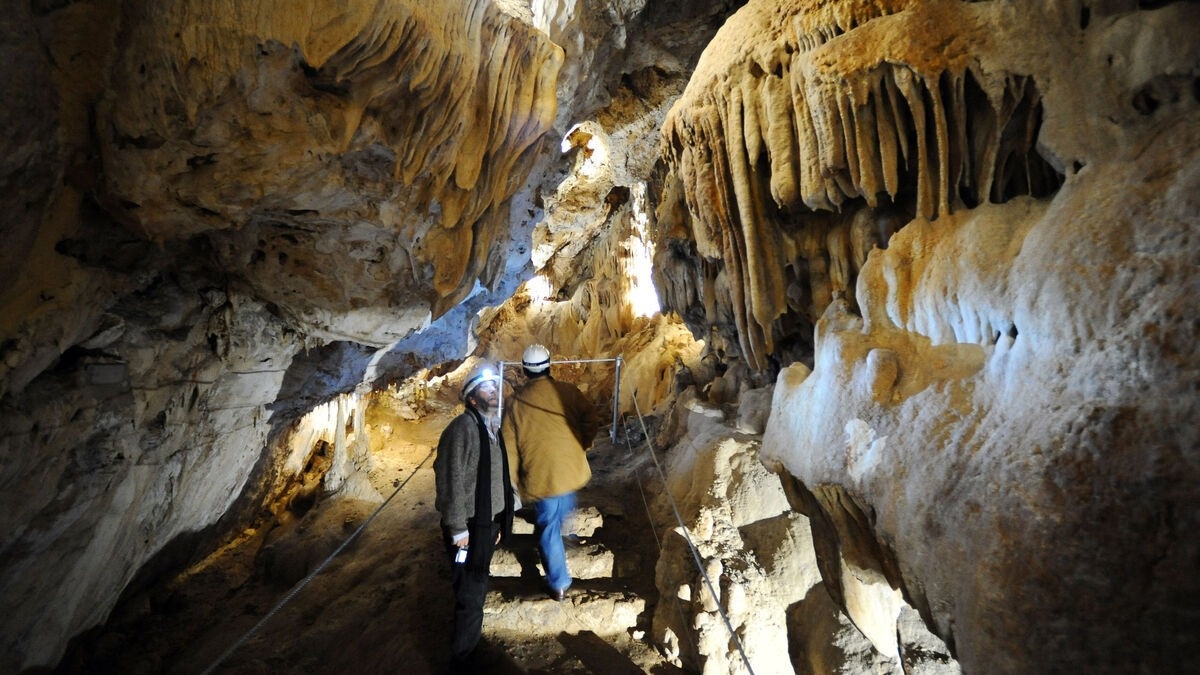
pixel 536 358
pixel 483 373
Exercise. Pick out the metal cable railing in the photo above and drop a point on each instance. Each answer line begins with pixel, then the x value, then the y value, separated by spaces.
pixel 691 546
pixel 304 582
pixel 658 546
pixel 619 360
pixel 666 491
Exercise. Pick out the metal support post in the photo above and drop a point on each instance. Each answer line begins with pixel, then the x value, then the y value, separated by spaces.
pixel 616 399
pixel 500 394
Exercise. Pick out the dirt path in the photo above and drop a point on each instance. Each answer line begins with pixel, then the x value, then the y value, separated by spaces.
pixel 383 603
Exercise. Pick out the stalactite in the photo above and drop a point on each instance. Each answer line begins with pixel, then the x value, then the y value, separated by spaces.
pixel 820 122
pixel 960 175
pixel 870 179
pixel 837 244
pixel 812 189
pixel 900 129
pixel 912 95
pixel 449 98
pixel 781 139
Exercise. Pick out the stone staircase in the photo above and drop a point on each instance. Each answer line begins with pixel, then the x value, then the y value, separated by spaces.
pixel 606 602
pixel 587 558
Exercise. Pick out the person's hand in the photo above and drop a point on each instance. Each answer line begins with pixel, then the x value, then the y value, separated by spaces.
pixel 497 539
pixel 462 543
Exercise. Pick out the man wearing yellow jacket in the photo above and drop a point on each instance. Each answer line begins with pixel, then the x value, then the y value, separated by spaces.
pixel 548 427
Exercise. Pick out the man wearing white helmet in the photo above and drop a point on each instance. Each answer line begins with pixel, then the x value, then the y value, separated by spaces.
pixel 548 427
pixel 474 497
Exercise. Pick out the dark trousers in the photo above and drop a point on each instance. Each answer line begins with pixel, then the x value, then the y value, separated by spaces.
pixel 470 590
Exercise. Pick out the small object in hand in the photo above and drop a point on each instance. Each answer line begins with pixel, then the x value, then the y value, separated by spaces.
pixel 461 556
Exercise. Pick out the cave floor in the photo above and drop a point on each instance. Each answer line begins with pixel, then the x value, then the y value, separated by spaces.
pixel 383 604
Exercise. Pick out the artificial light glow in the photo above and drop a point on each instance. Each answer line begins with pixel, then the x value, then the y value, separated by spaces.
pixel 592 142
pixel 641 297
pixel 538 288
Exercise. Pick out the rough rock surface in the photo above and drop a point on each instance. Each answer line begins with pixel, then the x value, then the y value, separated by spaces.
pixel 219 219
pixel 303 142
pixel 226 188
pixel 744 577
pixel 225 223
pixel 999 424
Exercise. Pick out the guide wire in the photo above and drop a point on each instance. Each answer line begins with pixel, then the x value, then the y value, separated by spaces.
pixel 687 537
pixel 304 582
pixel 658 547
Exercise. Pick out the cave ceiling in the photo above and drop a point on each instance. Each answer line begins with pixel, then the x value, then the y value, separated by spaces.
pixel 351 168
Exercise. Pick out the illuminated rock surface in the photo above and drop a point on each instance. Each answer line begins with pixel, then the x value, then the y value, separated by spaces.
pixel 934 262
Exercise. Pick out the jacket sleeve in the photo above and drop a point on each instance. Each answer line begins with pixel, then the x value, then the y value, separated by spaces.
pixel 454 480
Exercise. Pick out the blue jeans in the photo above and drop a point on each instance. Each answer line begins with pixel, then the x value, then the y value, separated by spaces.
pixel 551 512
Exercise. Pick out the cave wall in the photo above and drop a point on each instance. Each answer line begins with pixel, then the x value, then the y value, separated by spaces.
pixel 217 215
pixel 385 186
pixel 219 218
pixel 993 255
pixel 790 157
pixel 222 218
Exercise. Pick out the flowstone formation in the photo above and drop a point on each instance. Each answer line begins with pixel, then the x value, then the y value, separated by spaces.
pixel 223 212
pixel 994 258
pixel 781 142
pixel 382 141
pixel 223 218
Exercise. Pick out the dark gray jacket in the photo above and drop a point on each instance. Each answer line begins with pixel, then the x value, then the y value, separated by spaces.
pixel 455 468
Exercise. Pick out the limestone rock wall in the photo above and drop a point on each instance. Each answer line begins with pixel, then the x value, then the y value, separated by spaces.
pixel 1037 470
pixel 133 441
pixel 380 140
pixel 591 293
pixel 997 255
pixel 217 213
pixel 220 216
pixel 767 593
pixel 903 108
pixel 223 217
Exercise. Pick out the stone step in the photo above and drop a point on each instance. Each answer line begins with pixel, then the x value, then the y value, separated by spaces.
pixel 586 559
pixel 518 606
pixel 605 613
pixel 583 522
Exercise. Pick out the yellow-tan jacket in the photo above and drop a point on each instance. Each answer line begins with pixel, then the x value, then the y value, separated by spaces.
pixel 548 427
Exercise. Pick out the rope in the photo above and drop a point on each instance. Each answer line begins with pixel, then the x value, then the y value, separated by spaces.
pixel 687 537
pixel 304 582
pixel 658 546
pixel 666 490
